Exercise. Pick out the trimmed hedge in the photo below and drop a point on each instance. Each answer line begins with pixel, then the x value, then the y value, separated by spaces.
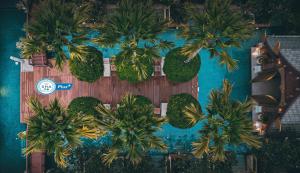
pixel 125 66
pixel 177 70
pixel 85 105
pixel 89 70
pixel 142 100
pixel 176 106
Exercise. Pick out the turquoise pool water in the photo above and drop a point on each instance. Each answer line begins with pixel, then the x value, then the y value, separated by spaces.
pixel 211 75
pixel 11 159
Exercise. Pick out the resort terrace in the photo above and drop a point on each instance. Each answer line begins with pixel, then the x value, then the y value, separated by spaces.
pixel 109 90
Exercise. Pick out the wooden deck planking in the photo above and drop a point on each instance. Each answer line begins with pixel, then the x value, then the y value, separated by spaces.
pixel 107 89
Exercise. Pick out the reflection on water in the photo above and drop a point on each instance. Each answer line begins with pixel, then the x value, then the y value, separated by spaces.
pixel 3 91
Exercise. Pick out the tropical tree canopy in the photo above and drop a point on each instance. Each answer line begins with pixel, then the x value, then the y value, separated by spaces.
pixel 134 65
pixel 186 72
pixel 52 130
pixel 226 125
pixel 132 126
pixel 216 29
pixel 134 26
pixel 176 107
pixel 55 26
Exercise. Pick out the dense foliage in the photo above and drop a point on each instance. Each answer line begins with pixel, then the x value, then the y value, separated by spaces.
pixel 84 105
pixel 135 27
pixel 52 130
pixel 88 159
pixel 132 126
pixel 283 15
pixel 227 123
pixel 190 164
pixel 176 107
pixel 56 25
pixel 177 70
pixel 217 29
pixel 134 66
pixel 280 153
pixel 89 68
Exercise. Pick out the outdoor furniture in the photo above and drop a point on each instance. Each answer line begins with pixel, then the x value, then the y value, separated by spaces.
pixel 162 62
pixel 107 68
pixel 163 107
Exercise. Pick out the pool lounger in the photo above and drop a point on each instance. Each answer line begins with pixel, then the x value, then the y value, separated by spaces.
pixel 163 109
pixel 107 69
pixel 162 62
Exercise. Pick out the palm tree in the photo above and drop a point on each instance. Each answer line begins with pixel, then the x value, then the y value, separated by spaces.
pixel 52 130
pixel 132 126
pixel 216 29
pixel 226 125
pixel 26 6
pixel 134 25
pixel 55 25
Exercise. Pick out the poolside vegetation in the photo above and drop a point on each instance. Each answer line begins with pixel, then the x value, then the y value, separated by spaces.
pixel 217 29
pixel 226 125
pixel 87 158
pixel 90 67
pixel 135 27
pixel 57 27
pixel 84 105
pixel 132 126
pixel 53 130
pixel 134 68
pixel 176 107
pixel 186 72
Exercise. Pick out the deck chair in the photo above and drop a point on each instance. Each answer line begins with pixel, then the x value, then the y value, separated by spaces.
pixel 163 109
pixel 162 63
pixel 107 69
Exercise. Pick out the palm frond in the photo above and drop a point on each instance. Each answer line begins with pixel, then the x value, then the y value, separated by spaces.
pixel 193 114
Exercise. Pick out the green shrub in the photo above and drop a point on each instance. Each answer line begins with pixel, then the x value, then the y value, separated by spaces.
pixel 176 106
pixel 90 69
pixel 177 70
pixel 142 100
pixel 85 105
pixel 134 69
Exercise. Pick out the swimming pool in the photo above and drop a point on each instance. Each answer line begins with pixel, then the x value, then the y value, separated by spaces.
pixel 210 75
pixel 11 159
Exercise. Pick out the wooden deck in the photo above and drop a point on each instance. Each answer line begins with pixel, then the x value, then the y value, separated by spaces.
pixel 107 89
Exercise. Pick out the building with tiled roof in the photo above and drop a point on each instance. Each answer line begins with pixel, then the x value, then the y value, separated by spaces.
pixel 276 84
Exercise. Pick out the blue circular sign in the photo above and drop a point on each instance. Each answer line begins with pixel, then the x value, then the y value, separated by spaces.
pixel 46 86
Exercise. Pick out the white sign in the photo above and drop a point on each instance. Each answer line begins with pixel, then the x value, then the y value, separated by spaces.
pixel 46 86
